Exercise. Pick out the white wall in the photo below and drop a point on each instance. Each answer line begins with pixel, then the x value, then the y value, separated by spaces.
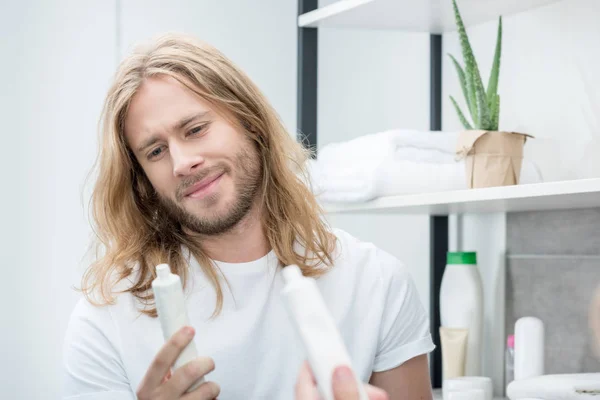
pixel 371 81
pixel 548 83
pixel 57 61
pixel 57 58
pixel 259 36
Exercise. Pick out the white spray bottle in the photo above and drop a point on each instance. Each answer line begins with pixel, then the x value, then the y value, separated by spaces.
pixel 317 329
pixel 172 312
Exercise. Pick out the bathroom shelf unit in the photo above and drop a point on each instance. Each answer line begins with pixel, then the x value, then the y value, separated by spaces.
pixel 584 193
pixel 434 17
pixel 431 16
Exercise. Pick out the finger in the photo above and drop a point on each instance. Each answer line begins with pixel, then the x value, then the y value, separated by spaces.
pixel 167 377
pixel 189 373
pixel 374 393
pixel 165 358
pixel 306 388
pixel 206 391
pixel 344 384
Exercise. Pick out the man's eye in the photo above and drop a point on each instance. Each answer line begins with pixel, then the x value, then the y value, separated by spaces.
pixel 196 130
pixel 155 153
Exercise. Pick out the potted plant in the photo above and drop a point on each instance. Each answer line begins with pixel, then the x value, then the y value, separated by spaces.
pixel 492 157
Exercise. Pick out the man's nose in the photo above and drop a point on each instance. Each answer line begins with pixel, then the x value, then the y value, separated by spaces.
pixel 185 160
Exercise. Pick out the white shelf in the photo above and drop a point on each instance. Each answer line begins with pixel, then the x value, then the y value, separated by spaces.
pixel 434 16
pixel 584 193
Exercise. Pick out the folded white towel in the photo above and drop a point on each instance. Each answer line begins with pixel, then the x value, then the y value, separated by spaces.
pixel 406 177
pixel 366 180
pixel 427 140
pixel 412 145
pixel 424 155
pixel 393 162
pixel 556 387
pixel 372 146
pixel 350 183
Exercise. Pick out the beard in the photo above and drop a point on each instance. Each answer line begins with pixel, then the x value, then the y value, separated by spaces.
pixel 245 185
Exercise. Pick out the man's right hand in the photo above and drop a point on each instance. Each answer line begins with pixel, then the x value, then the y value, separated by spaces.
pixel 343 384
pixel 159 384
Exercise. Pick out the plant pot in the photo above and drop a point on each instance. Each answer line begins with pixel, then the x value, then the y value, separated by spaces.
pixel 491 158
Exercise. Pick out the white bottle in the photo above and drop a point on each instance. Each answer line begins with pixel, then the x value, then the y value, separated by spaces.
pixel 172 312
pixel 461 304
pixel 529 348
pixel 317 330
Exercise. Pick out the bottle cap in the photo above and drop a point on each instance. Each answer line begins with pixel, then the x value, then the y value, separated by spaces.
pixel 291 273
pixel 163 271
pixel 510 341
pixel 461 257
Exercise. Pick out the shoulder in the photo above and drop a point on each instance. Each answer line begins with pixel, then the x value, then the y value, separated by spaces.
pixel 92 361
pixel 93 331
pixel 365 259
pixel 89 320
pixel 96 314
pixel 363 270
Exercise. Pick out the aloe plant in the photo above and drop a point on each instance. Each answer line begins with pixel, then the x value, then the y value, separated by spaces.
pixel 483 105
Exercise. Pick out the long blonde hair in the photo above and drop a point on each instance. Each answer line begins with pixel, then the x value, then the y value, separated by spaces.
pixel 131 240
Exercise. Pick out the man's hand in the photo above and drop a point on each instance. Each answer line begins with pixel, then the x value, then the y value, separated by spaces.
pixel 159 384
pixel 344 386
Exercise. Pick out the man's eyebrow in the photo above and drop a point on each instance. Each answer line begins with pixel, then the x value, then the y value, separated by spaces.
pixel 186 120
pixel 178 126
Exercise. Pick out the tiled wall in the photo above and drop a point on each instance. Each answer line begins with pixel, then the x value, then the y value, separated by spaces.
pixel 553 268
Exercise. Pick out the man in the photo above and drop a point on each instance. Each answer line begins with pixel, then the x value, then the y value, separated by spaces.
pixel 196 170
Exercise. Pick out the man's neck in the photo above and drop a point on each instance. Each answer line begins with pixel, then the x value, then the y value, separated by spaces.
pixel 244 243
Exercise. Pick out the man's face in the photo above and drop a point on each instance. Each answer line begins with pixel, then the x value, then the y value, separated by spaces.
pixel 204 169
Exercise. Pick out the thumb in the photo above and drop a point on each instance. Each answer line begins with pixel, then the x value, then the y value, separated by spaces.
pixel 344 384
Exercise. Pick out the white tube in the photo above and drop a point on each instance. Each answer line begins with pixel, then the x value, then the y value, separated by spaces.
pixel 172 313
pixel 454 349
pixel 316 328
pixel 529 348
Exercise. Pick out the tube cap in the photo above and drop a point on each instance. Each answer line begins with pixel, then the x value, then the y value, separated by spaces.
pixel 291 273
pixel 462 257
pixel 163 271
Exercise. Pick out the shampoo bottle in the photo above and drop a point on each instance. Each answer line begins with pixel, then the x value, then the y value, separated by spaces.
pixel 461 305
pixel 317 330
pixel 172 312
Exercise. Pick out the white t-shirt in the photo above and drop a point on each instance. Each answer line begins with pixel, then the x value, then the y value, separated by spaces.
pixel 257 354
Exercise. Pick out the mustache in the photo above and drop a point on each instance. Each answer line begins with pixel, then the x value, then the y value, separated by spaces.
pixel 214 170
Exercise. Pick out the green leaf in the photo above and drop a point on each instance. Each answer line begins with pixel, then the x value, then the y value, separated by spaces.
pixel 496 113
pixel 473 78
pixel 493 107
pixel 461 116
pixel 485 117
pixel 463 84
pixel 492 89
pixel 472 89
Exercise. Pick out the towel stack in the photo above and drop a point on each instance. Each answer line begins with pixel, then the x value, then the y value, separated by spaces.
pixel 391 163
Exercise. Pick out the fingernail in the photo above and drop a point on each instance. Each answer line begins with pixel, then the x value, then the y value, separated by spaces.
pixel 189 331
pixel 342 374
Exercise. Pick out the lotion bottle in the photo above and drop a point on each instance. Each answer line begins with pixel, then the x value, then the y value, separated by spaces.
pixel 529 348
